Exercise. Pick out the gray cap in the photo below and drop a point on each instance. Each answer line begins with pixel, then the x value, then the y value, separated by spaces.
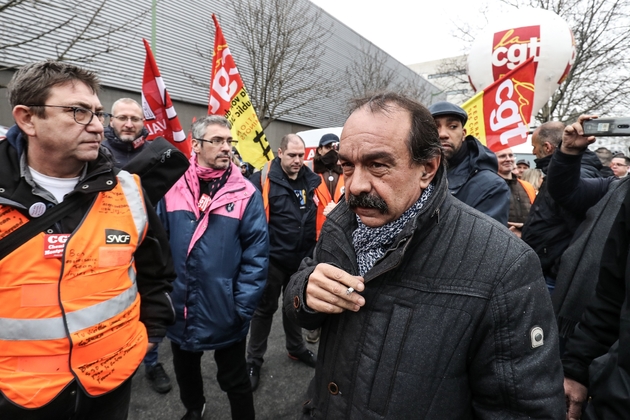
pixel 447 108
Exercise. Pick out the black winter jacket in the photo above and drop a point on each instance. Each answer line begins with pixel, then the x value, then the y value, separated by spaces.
pixel 292 234
pixel 446 329
pixel 154 265
pixel 550 224
pixel 122 151
pixel 473 179
pixel 606 320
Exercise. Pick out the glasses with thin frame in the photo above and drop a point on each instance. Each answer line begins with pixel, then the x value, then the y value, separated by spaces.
pixel 81 115
pixel 219 142
pixel 124 118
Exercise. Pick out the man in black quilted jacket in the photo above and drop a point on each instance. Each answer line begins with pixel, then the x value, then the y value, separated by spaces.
pixel 429 309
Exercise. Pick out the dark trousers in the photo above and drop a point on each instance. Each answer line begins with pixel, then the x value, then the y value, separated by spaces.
pixel 277 281
pixel 231 374
pixel 74 404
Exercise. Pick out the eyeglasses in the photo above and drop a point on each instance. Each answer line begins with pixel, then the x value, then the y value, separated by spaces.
pixel 219 142
pixel 124 118
pixel 617 164
pixel 82 115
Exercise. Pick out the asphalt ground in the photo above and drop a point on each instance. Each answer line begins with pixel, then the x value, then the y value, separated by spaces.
pixel 279 396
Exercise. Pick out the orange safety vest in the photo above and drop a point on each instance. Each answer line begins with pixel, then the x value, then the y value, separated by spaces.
pixel 529 189
pixel 322 195
pixel 70 305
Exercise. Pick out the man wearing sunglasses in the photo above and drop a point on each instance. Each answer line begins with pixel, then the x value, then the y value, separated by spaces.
pixel 85 295
pixel 125 136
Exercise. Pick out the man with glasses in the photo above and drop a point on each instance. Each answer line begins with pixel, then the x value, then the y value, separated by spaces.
pixel 83 297
pixel 288 189
pixel 220 246
pixel 125 136
pixel 522 193
pixel 619 165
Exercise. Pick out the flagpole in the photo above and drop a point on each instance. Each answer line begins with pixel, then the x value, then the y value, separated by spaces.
pixel 153 19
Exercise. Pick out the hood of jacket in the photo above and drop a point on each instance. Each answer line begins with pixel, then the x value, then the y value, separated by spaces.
pixel 471 158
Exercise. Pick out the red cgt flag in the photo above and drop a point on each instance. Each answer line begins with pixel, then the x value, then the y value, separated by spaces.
pixel 159 113
pixel 499 115
pixel 228 97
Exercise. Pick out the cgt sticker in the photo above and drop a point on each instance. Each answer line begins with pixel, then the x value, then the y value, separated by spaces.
pixel 54 244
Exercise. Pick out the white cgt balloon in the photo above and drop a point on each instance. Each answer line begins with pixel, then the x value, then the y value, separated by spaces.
pixel 512 39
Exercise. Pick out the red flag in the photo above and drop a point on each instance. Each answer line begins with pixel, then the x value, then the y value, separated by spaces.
pixel 228 97
pixel 499 115
pixel 159 113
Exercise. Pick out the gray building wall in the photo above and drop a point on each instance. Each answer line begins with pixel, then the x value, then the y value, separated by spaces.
pixel 183 28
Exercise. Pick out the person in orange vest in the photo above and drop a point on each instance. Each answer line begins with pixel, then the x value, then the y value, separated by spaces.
pixel 522 193
pixel 85 297
pixel 329 192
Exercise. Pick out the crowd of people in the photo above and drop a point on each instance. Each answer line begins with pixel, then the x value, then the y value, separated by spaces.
pixel 442 280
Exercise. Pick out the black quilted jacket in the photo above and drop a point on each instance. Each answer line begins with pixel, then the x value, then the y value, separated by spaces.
pixel 446 332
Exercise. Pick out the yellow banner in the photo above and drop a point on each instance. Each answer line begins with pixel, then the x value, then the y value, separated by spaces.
pixel 246 129
pixel 475 125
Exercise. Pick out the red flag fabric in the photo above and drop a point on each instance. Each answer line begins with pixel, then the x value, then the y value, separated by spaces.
pixel 159 113
pixel 499 115
pixel 228 97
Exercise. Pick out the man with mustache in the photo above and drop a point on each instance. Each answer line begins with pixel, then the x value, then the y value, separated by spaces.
pixel 472 167
pixel 288 189
pixel 428 308
pixel 125 135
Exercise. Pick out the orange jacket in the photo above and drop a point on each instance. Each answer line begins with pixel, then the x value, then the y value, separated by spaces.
pixel 322 195
pixel 529 189
pixel 323 198
pixel 75 315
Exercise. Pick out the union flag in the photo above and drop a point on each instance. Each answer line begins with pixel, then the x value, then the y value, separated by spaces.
pixel 159 113
pixel 228 97
pixel 499 115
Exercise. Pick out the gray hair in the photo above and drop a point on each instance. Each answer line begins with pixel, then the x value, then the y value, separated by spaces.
pixel 31 85
pixel 200 126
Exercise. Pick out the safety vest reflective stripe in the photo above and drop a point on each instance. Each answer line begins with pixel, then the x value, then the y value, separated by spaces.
pixel 53 328
pixel 136 204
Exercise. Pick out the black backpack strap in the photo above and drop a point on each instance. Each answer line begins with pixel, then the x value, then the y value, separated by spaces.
pixel 24 233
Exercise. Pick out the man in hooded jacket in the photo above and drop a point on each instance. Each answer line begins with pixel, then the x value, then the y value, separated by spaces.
pixel 472 167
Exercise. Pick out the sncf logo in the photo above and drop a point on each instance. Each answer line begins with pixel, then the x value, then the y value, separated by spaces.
pixel 113 236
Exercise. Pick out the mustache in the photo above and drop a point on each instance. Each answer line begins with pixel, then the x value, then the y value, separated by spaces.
pixel 368 201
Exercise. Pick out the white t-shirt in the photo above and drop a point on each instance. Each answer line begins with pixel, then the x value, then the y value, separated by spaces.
pixel 58 187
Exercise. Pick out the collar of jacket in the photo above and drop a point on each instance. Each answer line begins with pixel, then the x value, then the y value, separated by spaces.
pixel 277 175
pixel 17 192
pixel 124 146
pixel 471 158
pixel 416 229
pixel 543 163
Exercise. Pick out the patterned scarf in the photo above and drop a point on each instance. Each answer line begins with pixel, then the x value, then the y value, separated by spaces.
pixel 370 244
pixel 216 177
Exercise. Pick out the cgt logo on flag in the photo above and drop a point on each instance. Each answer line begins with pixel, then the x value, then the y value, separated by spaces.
pixel 228 97
pixel 511 106
pixel 513 47
pixel 499 115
